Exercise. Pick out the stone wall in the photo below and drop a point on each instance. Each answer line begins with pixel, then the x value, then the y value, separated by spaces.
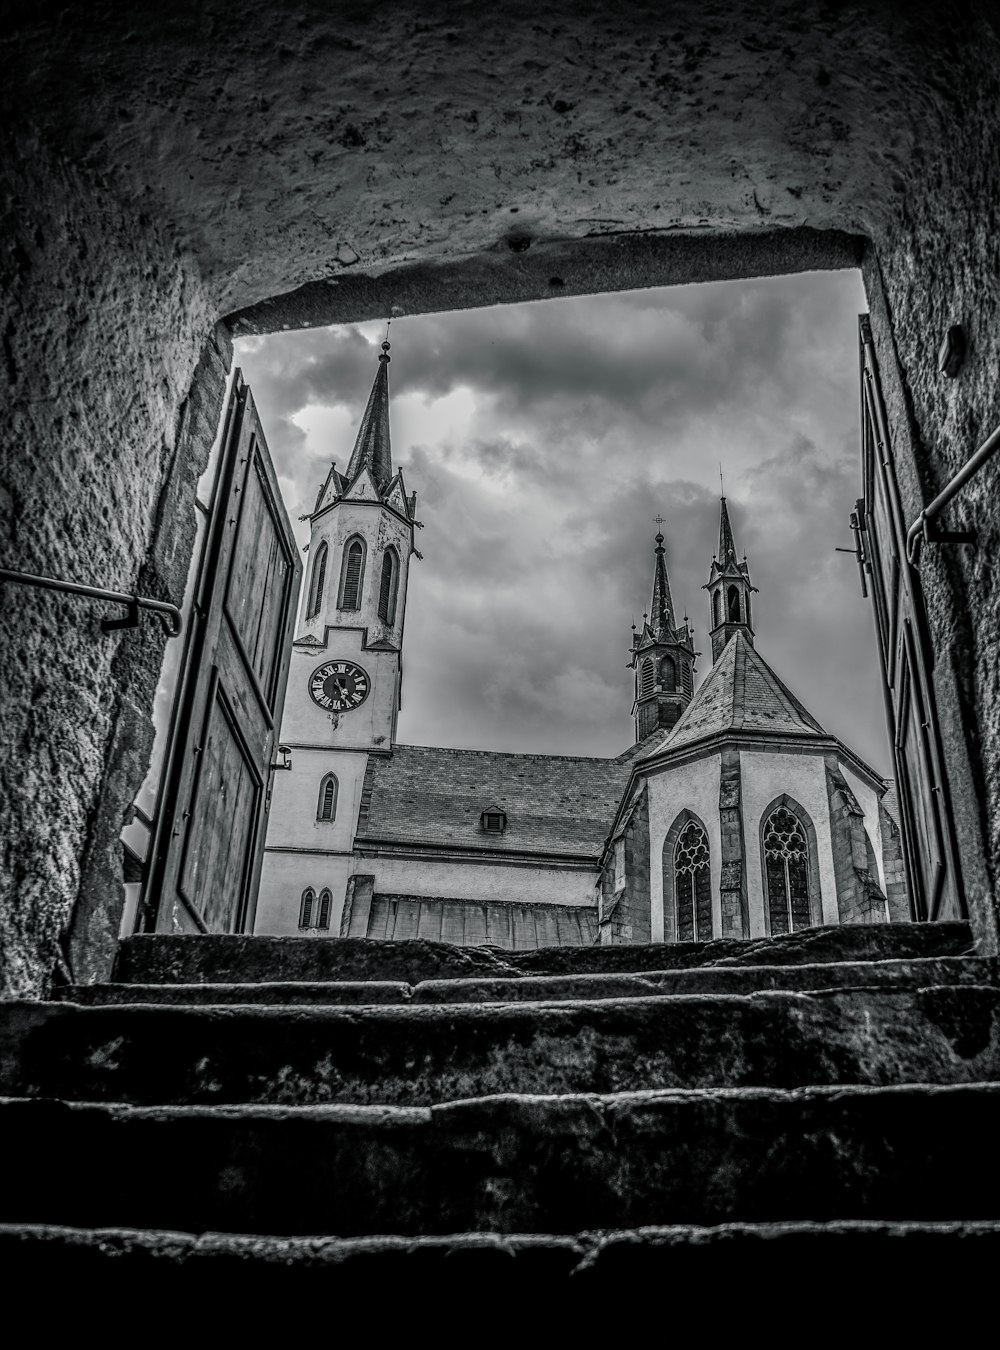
pixel 625 914
pixel 894 868
pixel 734 903
pixel 859 897
pixel 163 166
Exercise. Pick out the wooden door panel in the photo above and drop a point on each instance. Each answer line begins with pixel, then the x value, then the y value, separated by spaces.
pixel 224 812
pixel 211 828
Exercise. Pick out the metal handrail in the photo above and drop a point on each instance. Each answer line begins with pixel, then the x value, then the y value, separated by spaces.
pixel 919 531
pixel 169 615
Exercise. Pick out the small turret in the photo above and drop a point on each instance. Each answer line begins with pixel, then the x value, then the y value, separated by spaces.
pixel 663 658
pixel 729 590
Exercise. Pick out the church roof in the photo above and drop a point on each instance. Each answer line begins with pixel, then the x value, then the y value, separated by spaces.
pixel 741 693
pixel 432 796
pixel 371 449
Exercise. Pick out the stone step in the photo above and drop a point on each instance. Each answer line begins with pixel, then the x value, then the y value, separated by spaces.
pixel 912 974
pixel 258 1268
pixel 510 1164
pixel 429 1053
pixel 218 959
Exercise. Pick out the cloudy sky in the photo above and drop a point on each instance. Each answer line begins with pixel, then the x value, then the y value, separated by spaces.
pixel 542 439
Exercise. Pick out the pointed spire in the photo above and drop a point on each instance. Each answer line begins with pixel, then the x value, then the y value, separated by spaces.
pixel 727 545
pixel 661 608
pixel 372 449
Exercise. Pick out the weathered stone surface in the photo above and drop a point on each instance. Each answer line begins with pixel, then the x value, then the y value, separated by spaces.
pixel 512 1164
pixel 156 959
pixel 917 974
pixel 421 1054
pixel 550 1268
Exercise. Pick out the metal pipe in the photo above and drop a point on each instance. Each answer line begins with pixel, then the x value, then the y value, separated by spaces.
pixel 986 451
pixel 171 615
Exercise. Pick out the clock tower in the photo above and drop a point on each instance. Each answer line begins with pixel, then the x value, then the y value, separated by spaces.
pixel 345 674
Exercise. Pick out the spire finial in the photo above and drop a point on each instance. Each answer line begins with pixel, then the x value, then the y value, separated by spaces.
pixel 385 345
pixel 658 521
pixel 722 486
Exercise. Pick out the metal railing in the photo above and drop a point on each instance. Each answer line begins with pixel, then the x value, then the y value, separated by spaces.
pixel 923 531
pixel 169 615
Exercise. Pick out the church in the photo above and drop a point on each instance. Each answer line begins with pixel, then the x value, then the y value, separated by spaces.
pixel 733 814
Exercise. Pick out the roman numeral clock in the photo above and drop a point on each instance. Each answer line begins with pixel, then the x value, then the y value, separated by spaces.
pixel 339 686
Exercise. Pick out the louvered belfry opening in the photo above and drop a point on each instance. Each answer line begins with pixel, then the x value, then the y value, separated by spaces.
pixel 353 567
pixel 328 798
pixel 693 885
pixel 387 588
pixel 786 859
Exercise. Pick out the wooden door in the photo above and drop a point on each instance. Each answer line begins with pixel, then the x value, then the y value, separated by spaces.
pixel 212 820
pixel 907 661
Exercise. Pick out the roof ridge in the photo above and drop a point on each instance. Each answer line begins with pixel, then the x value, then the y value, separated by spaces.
pixel 510 754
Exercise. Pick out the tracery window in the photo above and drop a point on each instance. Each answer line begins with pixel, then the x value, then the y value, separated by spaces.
pixel 328 791
pixel 648 677
pixel 693 885
pixel 387 586
pixel 318 580
pixel 353 575
pixel 786 868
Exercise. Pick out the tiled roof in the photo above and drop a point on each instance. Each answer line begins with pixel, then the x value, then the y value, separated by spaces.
pixel 741 693
pixel 891 800
pixel 554 803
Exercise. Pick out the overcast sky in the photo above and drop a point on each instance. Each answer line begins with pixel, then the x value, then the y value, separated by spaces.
pixel 542 439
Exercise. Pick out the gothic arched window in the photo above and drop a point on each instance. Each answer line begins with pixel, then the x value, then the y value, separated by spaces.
pixel 749 620
pixel 717 608
pixel 328 790
pixel 668 674
pixel 734 605
pixel 306 907
pixel 323 917
pixel 352 574
pixel 317 581
pixel 692 885
pixel 388 586
pixel 647 677
pixel 785 847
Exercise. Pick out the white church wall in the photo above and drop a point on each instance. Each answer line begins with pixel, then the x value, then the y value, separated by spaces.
pixel 370 724
pixel 695 786
pixel 283 878
pixel 438 878
pixel 803 777
pixel 868 800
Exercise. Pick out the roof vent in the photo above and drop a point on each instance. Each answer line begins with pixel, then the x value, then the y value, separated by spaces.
pixel 493 820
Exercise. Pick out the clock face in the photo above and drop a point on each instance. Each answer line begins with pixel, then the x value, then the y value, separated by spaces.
pixel 339 686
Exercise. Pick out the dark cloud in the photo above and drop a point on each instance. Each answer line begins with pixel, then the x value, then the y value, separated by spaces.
pixel 543 438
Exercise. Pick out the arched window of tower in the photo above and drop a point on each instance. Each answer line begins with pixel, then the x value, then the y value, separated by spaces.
pixel 388 585
pixel 668 674
pixel 648 677
pixel 317 581
pixel 717 608
pixel 328 792
pixel 352 575
pixel 749 623
pixel 325 901
pixel 734 605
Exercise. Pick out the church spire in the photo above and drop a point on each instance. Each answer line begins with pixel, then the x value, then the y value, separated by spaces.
pixel 371 449
pixel 661 609
pixel 663 657
pixel 729 588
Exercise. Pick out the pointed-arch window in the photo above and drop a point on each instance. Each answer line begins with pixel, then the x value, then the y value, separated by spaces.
pixel 306 907
pixel 668 674
pixel 747 602
pixel 647 677
pixel 786 870
pixel 352 575
pixel 717 608
pixel 692 885
pixel 317 581
pixel 323 917
pixel 328 792
pixel 734 605
pixel 388 586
